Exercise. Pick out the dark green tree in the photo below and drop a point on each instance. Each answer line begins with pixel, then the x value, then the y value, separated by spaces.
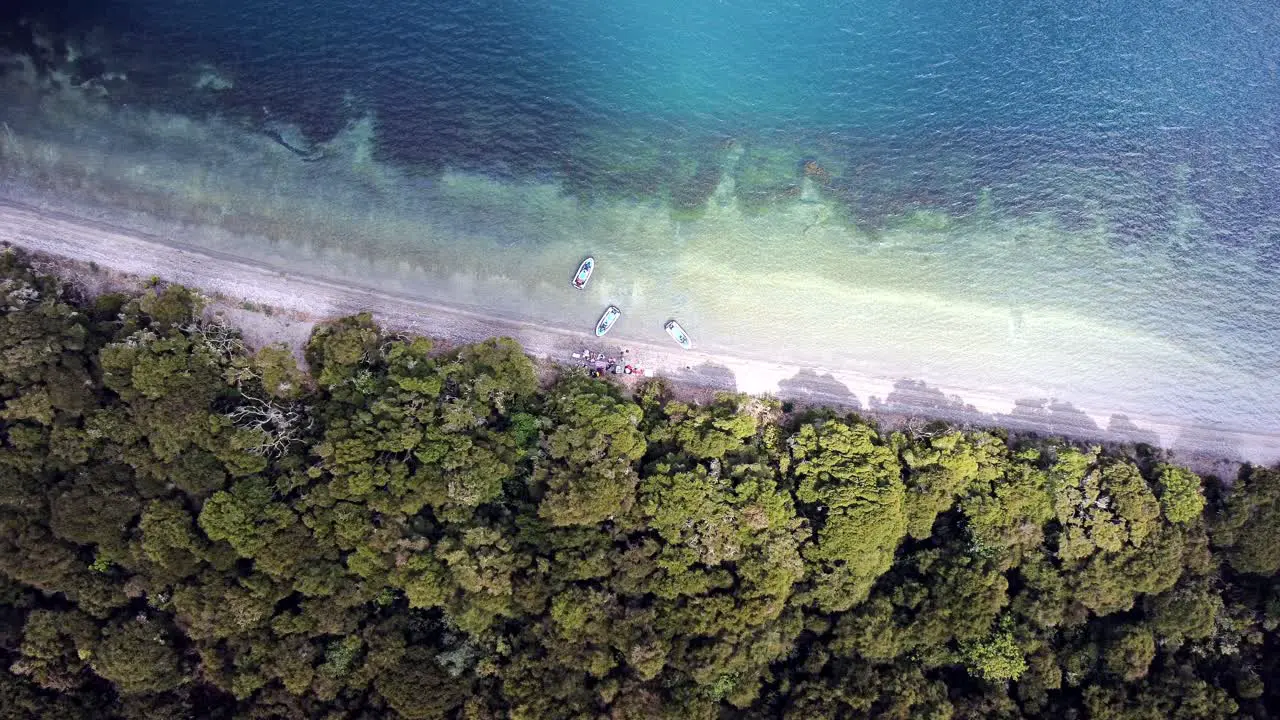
pixel 850 487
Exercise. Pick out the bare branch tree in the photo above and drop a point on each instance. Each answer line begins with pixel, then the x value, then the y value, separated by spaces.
pixel 276 424
pixel 217 337
pixel 918 428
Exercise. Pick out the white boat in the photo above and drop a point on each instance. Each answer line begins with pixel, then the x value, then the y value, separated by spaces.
pixel 677 333
pixel 584 272
pixel 610 316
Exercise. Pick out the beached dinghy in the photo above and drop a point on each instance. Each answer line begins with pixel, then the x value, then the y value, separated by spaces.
pixel 584 273
pixel 610 316
pixel 677 333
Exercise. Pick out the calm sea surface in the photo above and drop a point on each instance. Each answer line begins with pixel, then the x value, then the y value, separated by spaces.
pixel 1072 201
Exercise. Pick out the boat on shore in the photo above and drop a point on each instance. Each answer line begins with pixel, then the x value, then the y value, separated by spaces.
pixel 677 333
pixel 584 272
pixel 610 316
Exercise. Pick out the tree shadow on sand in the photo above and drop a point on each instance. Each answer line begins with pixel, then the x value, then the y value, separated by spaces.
pixel 810 388
pixel 707 376
pixel 916 397
pixel 1051 417
pixel 1123 430
pixel 1208 451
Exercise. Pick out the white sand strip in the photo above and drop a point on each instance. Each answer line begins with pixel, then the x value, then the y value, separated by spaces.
pixel 312 298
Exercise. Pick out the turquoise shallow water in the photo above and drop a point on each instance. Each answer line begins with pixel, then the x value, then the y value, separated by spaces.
pixel 1076 203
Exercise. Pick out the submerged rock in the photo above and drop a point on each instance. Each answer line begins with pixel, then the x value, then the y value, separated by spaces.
pixel 292 139
pixel 208 78
pixel 725 194
pixel 809 191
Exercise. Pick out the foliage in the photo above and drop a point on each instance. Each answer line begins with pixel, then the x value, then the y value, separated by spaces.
pixel 137 656
pixel 997 657
pixel 1246 525
pixel 851 488
pixel 1130 652
pixel 588 466
pixel 191 528
pixel 1180 496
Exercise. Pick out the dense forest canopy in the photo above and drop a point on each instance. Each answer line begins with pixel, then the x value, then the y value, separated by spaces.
pixel 192 529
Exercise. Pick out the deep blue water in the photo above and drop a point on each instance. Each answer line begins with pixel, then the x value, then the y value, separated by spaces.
pixel 910 103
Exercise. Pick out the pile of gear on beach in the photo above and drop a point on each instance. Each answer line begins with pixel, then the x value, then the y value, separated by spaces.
pixel 599 364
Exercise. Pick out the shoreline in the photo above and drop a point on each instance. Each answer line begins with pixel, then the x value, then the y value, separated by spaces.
pixel 307 299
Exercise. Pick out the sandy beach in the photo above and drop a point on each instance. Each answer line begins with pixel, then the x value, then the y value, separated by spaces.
pixel 277 305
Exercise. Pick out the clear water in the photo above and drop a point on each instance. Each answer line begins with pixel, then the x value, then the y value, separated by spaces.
pixel 1002 198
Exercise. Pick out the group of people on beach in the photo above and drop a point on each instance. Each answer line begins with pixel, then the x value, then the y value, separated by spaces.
pixel 599 364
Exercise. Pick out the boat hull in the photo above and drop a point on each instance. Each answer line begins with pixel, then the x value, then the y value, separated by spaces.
pixel 583 275
pixel 678 334
pixel 610 316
